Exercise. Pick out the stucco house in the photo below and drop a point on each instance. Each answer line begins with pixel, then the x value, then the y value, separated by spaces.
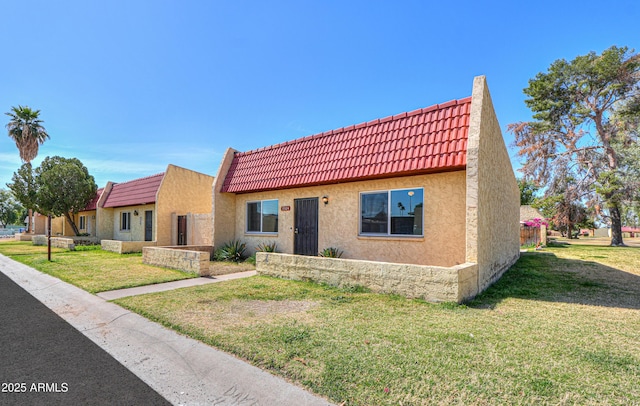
pixel 423 203
pixel 85 220
pixel 169 208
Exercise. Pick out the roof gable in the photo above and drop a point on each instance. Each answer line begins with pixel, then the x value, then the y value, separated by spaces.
pixel 134 192
pixel 426 140
pixel 528 212
pixel 93 204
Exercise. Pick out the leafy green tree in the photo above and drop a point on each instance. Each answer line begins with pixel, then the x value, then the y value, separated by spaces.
pixel 583 118
pixel 24 188
pixel 562 205
pixel 528 190
pixel 64 187
pixel 9 208
pixel 26 130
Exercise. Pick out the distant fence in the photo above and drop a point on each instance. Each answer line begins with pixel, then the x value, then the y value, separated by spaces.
pixel 529 235
pixel 9 230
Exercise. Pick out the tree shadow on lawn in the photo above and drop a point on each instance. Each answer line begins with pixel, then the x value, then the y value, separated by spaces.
pixel 543 276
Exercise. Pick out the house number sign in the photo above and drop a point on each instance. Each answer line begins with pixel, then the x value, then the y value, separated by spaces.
pixel 285 208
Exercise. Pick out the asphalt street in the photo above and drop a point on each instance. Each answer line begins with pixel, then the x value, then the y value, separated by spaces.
pixel 45 361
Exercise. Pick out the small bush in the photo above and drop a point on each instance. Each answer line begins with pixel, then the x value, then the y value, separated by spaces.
pixel 232 251
pixel 331 252
pixel 271 246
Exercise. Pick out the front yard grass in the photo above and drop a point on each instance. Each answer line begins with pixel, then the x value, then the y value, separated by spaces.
pixel 562 326
pixel 89 267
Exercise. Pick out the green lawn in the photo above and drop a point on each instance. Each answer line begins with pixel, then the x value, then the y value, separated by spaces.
pixel 561 327
pixel 90 268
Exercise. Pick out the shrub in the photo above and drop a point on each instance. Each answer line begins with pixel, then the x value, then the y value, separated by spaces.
pixel 231 251
pixel 271 246
pixel 331 252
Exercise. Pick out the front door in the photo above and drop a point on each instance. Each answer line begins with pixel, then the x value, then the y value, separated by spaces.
pixel 148 225
pixel 182 230
pixel 306 226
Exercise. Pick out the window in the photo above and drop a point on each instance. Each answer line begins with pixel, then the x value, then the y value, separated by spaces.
pixel 125 221
pixel 392 212
pixel 83 222
pixel 262 216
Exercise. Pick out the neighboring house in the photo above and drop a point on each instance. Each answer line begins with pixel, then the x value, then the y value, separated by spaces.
pixel 533 227
pixel 85 220
pixel 631 232
pixel 170 208
pixel 432 187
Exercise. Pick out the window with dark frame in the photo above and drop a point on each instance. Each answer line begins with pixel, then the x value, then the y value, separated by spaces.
pixel 392 212
pixel 82 222
pixel 262 216
pixel 125 221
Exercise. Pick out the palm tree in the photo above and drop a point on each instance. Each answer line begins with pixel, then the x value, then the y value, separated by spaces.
pixel 25 128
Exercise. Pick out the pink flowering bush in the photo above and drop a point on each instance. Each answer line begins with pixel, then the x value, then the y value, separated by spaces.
pixel 536 223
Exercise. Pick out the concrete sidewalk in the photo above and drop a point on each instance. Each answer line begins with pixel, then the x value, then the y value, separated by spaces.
pixel 182 370
pixel 161 287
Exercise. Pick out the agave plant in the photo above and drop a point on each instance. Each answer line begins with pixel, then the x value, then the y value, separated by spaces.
pixel 231 251
pixel 267 247
pixel 331 252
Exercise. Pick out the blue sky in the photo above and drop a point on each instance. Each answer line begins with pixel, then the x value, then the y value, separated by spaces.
pixel 131 86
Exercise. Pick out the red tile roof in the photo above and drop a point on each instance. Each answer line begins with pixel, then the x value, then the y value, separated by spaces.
pixel 94 202
pixel 134 192
pixel 425 140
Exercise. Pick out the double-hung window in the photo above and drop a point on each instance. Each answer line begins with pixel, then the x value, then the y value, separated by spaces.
pixel 125 221
pixel 83 222
pixel 392 212
pixel 262 216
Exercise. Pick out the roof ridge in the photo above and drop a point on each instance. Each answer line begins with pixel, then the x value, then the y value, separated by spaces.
pixel 137 179
pixel 365 124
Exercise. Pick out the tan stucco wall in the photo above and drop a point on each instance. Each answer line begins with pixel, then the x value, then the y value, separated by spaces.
pixel 443 243
pixel 39 224
pixel 224 205
pixel 493 197
pixel 58 226
pixel 61 226
pixel 91 222
pixel 182 191
pixel 199 229
pixel 104 217
pixel 136 233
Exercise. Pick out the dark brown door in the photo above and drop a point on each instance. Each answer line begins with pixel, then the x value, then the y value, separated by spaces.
pixel 306 226
pixel 148 225
pixel 182 230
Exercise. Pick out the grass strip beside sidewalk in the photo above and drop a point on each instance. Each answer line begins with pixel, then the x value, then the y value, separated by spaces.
pixel 90 268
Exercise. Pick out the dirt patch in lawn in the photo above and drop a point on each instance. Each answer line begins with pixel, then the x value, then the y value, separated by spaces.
pixel 217 317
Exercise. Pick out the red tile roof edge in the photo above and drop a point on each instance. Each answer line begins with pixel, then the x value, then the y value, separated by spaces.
pixel 138 179
pixel 126 183
pixel 355 179
pixel 365 124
